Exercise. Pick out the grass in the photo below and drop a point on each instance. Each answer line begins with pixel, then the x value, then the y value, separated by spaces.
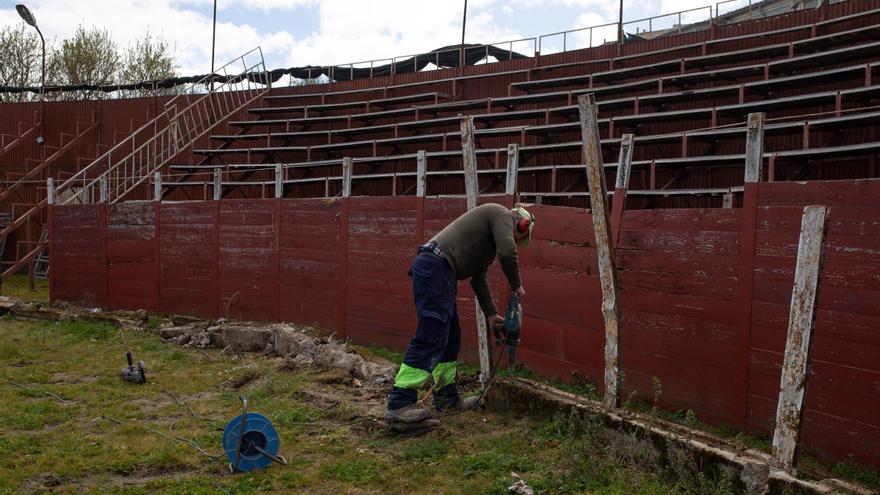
pixel 19 286
pixel 67 447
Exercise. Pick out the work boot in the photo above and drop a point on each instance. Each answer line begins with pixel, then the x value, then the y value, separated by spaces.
pixel 466 404
pixel 407 414
pixel 447 399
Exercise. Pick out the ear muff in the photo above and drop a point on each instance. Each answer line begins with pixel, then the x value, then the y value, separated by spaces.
pixel 522 226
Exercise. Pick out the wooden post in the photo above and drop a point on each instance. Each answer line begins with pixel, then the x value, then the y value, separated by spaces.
pixel 746 265
pixel 157 186
pixel 801 321
pixel 421 172
pixel 103 188
pixel 471 183
pixel 218 185
pixel 50 220
pixel 346 177
pixel 605 250
pixel 727 200
pixel 279 182
pixel 50 191
pixel 618 202
pixel 512 169
pixel 754 147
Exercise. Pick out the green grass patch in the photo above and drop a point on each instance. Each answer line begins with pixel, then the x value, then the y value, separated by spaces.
pixel 358 473
pixel 18 286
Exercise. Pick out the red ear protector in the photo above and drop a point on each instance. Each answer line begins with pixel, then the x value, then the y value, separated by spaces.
pixel 522 226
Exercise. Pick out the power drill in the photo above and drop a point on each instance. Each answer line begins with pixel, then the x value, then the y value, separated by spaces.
pixel 134 373
pixel 510 328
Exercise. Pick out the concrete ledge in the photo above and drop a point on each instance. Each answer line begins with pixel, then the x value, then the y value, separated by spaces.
pixel 754 475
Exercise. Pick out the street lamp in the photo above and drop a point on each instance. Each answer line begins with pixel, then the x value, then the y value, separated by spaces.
pixel 31 20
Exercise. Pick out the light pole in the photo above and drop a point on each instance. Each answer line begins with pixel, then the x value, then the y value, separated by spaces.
pixel 29 18
pixel 213 43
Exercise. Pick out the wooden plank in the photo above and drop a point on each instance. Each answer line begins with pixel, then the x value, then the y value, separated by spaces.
pixel 797 348
pixel 472 187
pixel 857 192
pixel 621 185
pixel 701 242
pixel 723 288
pixel 592 151
pixel 710 219
pixel 421 172
pixel 512 169
pixel 746 276
pixel 346 177
pixel 754 147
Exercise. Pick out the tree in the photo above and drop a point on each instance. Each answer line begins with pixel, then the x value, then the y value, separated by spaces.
pixel 19 61
pixel 89 58
pixel 149 59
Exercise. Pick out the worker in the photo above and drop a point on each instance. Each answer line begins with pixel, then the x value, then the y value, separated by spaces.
pixel 464 249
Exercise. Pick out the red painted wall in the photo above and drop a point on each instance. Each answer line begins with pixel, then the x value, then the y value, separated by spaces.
pixel 704 293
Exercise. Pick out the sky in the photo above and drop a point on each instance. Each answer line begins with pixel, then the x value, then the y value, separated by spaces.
pixel 295 33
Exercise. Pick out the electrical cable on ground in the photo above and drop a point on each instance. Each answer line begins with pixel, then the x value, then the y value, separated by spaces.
pixel 44 392
pixel 186 441
pixel 193 413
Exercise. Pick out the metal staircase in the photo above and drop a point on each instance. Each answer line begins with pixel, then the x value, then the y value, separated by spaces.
pixel 9 141
pixel 187 117
pixel 41 264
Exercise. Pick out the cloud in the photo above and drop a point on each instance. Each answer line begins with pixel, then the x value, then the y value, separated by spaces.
pixel 347 30
pixel 358 31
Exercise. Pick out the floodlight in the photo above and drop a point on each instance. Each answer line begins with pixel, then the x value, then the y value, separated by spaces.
pixel 26 14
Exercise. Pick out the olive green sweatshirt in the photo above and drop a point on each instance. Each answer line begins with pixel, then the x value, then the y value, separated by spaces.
pixel 470 244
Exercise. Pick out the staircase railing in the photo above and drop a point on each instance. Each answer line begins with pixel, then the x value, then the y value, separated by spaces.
pixel 186 118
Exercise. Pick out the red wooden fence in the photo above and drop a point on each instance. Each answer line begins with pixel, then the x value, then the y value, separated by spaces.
pixel 704 294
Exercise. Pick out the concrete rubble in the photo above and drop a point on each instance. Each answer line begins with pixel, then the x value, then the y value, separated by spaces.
pixel 299 347
pixel 294 343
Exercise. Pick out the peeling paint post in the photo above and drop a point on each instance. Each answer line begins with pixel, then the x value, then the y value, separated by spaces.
pixel 421 172
pixel 218 186
pixel 421 176
pixel 346 177
pixel 50 191
pixel 279 182
pixel 605 250
pixel 472 188
pixel 157 187
pixel 50 225
pixel 512 169
pixel 746 266
pixel 801 321
pixel 621 185
pixel 727 201
pixel 102 185
pixel 754 147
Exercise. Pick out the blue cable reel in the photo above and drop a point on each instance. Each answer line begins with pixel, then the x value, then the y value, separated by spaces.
pixel 251 442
